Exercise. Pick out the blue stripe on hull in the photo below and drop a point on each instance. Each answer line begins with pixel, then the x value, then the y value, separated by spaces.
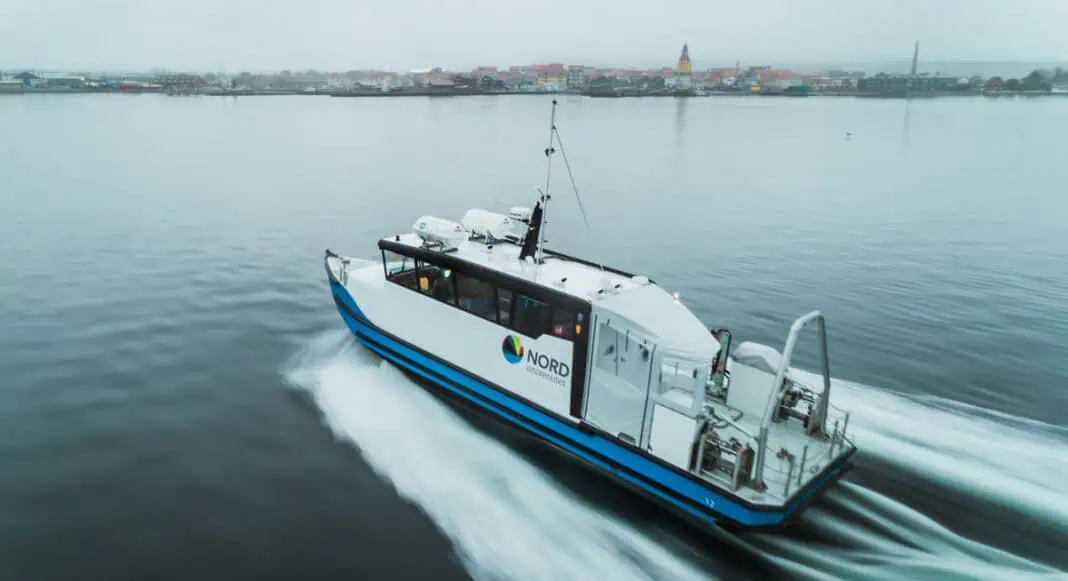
pixel 565 435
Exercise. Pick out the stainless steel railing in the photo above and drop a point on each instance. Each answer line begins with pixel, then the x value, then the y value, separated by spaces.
pixel 819 414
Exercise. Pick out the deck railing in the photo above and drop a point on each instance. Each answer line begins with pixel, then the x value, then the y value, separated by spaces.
pixel 343 271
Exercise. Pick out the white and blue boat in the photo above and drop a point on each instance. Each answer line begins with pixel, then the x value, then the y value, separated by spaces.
pixel 602 364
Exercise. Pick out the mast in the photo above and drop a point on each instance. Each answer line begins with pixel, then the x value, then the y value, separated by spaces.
pixel 915 58
pixel 912 75
pixel 545 197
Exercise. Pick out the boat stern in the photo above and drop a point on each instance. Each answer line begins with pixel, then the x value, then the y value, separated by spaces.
pixel 772 434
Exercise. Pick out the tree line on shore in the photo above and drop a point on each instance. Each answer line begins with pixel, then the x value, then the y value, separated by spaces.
pixel 1035 81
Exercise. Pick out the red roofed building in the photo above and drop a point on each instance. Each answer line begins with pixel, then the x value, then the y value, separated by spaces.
pixel 773 79
pixel 551 75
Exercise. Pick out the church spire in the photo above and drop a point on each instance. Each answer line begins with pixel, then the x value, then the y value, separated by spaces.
pixel 684 67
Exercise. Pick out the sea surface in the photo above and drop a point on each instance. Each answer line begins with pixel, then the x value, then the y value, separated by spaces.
pixel 179 398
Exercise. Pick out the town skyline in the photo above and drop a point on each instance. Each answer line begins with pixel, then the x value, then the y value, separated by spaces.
pixel 985 68
pixel 680 80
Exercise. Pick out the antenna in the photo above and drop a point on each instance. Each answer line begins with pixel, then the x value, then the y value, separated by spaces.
pixel 578 198
pixel 534 240
pixel 545 197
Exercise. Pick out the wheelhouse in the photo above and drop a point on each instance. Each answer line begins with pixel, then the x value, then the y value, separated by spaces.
pixel 510 302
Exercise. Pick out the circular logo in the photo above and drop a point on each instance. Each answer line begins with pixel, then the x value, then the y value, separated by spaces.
pixel 512 349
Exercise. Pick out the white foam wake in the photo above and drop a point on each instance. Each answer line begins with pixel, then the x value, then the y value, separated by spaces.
pixel 1014 462
pixel 506 518
pixel 1019 463
pixel 871 536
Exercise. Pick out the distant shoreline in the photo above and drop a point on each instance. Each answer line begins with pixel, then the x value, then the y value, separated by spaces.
pixel 469 93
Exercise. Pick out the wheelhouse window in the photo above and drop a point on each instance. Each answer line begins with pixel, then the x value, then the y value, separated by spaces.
pixel 476 296
pixel 563 323
pixel 400 269
pixel 437 282
pixel 504 306
pixel 682 380
pixel 483 297
pixel 531 316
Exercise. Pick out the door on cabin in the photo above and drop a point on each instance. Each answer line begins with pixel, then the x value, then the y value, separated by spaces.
pixel 620 371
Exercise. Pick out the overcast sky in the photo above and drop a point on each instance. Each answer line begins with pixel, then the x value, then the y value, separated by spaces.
pixel 232 35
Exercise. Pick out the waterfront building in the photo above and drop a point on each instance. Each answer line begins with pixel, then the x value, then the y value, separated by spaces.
pixel 62 81
pixel 779 80
pixel 339 82
pixel 893 84
pixel 551 77
pixel 576 77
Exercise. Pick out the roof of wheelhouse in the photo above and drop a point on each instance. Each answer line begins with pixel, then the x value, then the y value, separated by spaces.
pixel 647 306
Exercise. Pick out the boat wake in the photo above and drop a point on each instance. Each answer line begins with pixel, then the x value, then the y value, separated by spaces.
pixel 979 456
pixel 507 519
pixel 1018 462
pixel 866 535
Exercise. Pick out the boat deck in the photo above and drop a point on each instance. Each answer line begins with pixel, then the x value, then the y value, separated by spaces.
pixel 783 480
pixel 794 457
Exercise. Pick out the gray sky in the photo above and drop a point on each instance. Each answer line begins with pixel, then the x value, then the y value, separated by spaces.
pixel 237 35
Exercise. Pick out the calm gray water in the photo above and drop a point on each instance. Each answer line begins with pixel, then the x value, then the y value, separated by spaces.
pixel 179 398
